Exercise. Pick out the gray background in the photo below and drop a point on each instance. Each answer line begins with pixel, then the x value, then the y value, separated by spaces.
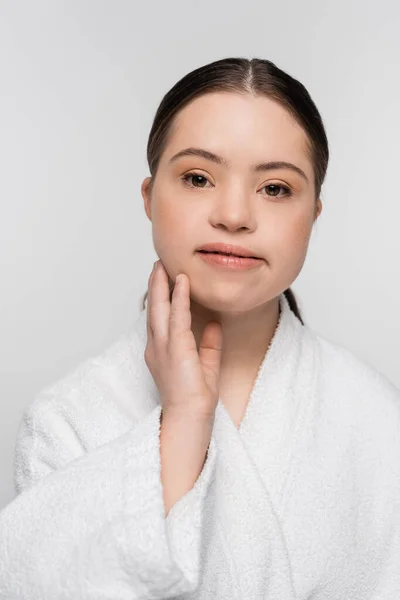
pixel 79 84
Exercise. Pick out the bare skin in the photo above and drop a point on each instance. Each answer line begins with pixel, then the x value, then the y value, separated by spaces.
pixel 234 204
pixel 187 379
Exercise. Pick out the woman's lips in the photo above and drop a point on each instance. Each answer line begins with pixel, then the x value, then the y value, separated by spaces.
pixel 230 261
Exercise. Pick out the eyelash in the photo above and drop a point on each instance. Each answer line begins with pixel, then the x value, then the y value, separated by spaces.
pixel 185 178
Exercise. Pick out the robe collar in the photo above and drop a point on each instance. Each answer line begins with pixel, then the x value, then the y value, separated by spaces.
pixel 281 400
pixel 281 403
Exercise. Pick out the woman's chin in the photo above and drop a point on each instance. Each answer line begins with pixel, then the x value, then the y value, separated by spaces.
pixel 222 302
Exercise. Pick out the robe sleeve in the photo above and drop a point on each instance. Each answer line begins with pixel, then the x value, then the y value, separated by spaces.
pixel 92 525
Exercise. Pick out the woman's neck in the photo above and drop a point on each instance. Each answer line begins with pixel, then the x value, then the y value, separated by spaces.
pixel 246 336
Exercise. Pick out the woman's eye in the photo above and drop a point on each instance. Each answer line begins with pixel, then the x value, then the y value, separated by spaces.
pixel 196 180
pixel 200 181
pixel 274 188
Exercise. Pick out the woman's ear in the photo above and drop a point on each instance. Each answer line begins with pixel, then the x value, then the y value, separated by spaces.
pixel 146 194
pixel 318 208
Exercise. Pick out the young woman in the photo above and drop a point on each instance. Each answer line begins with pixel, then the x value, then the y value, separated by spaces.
pixel 220 449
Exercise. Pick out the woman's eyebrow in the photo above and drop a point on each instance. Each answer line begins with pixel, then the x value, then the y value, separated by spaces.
pixel 268 166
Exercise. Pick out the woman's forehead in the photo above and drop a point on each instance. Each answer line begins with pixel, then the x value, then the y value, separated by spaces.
pixel 239 127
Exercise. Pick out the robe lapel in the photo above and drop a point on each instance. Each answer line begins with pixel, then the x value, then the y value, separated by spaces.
pixel 282 401
pixel 254 460
pixel 247 519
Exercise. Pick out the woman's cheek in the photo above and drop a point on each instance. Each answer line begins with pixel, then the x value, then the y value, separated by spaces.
pixel 293 245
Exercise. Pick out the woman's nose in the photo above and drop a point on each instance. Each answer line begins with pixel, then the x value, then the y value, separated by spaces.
pixel 233 212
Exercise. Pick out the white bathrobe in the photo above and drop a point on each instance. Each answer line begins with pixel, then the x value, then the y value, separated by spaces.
pixel 302 501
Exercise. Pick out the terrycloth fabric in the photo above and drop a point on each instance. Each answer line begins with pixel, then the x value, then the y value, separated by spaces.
pixel 302 501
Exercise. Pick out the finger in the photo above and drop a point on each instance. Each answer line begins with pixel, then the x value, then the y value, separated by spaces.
pixel 149 324
pixel 210 353
pixel 180 316
pixel 160 303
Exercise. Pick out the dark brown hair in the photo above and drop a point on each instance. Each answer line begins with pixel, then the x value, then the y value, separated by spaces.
pixel 244 76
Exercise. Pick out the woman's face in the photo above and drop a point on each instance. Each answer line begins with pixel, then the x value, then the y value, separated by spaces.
pixel 197 200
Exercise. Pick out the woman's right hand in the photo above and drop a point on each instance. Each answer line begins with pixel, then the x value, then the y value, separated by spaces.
pixel 188 380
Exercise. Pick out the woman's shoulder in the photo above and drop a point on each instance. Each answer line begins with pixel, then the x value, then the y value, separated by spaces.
pixel 96 402
pixel 101 397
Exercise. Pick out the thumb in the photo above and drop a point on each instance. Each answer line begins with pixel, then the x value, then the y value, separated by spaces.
pixel 210 353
